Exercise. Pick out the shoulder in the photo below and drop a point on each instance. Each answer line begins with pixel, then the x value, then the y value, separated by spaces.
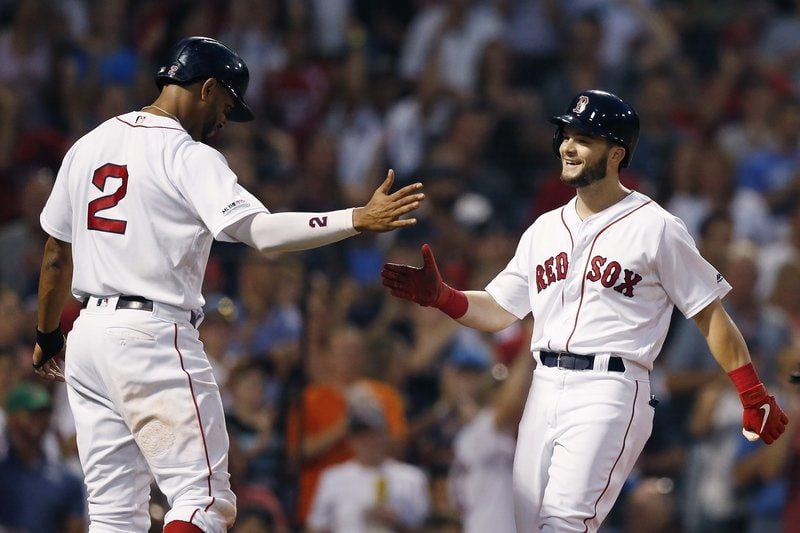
pixel 341 471
pixel 197 154
pixel 101 131
pixel 657 215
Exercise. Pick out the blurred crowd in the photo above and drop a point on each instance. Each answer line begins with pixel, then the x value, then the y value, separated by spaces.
pixel 348 409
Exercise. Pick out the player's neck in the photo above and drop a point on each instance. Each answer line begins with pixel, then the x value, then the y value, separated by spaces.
pixel 174 102
pixel 599 196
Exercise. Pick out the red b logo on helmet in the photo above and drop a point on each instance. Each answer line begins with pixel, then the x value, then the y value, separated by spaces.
pixel 581 104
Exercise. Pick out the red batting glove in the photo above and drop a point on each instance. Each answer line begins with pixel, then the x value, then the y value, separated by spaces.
pixel 762 416
pixel 424 285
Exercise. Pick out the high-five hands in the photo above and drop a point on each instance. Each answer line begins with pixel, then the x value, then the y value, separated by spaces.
pixel 383 211
pixel 424 285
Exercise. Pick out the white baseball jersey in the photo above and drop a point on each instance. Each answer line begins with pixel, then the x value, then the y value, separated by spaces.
pixel 606 284
pixel 141 203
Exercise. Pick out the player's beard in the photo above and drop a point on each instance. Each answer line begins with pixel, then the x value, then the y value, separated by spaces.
pixel 589 175
pixel 209 129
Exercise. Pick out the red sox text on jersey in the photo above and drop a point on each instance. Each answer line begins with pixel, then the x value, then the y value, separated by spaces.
pixel 608 273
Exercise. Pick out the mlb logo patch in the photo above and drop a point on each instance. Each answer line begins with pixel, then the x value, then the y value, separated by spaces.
pixel 172 70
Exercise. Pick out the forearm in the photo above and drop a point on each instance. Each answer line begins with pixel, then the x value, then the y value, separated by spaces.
pixel 762 416
pixel 291 232
pixel 55 279
pixel 485 314
pixel 723 337
pixel 510 400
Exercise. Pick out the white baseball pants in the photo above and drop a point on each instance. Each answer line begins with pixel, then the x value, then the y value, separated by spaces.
pixel 580 436
pixel 146 405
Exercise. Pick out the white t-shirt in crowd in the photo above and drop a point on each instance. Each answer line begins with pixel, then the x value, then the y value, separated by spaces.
pixel 348 490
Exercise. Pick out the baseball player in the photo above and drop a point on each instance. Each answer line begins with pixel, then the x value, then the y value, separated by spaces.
pixel 131 219
pixel 600 275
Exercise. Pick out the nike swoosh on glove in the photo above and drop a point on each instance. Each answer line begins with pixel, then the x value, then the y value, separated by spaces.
pixel 762 416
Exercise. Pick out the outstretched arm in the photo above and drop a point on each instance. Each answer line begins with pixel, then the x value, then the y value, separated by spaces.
pixel 291 232
pixel 424 285
pixel 762 416
pixel 54 283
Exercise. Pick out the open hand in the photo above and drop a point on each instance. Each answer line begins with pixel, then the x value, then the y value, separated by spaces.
pixel 422 285
pixel 50 370
pixel 383 211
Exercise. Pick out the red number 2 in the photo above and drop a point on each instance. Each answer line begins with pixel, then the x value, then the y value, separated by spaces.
pixel 110 225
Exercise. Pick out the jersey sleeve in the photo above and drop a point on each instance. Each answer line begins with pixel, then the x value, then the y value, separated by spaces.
pixel 56 217
pixel 510 287
pixel 690 281
pixel 208 184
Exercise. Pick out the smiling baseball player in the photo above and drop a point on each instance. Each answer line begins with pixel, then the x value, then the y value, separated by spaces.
pixel 131 218
pixel 601 276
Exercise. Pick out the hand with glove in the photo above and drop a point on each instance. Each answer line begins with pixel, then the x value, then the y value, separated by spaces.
pixel 47 347
pixel 424 285
pixel 762 416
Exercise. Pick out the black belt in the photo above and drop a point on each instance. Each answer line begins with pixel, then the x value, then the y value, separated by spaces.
pixel 139 303
pixel 127 302
pixel 572 361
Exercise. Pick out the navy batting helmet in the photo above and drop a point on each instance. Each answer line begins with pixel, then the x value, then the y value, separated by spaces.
pixel 196 58
pixel 602 114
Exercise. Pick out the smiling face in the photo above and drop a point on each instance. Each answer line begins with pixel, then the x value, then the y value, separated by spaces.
pixel 585 158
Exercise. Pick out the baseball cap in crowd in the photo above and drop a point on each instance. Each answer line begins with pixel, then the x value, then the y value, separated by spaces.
pixel 366 416
pixel 469 356
pixel 27 396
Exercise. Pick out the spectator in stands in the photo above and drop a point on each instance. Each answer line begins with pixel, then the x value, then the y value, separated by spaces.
pixel 715 424
pixel 37 495
pixel 371 491
pixel 774 172
pixel 784 295
pixel 21 241
pixel 455 33
pixel 779 253
pixel 761 473
pixel 268 303
pixel 318 428
pixel 481 472
pixel 716 191
pixel 251 426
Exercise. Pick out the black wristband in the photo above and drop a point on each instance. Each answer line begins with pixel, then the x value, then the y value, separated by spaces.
pixel 51 343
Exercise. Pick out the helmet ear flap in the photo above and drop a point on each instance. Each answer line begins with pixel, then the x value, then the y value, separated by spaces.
pixel 558 138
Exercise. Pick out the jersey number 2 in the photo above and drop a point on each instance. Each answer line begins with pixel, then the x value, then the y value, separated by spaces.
pixel 110 225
